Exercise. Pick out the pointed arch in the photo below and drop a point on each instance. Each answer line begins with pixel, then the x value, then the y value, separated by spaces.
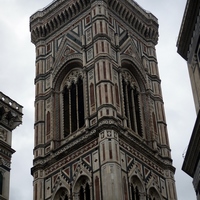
pixel 132 102
pixel 61 194
pixel 73 101
pixel 154 194
pixel 74 9
pixel 78 7
pixel 70 72
pixel 136 188
pixel 82 188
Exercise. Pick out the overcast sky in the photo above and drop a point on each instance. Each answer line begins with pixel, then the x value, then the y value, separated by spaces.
pixel 17 72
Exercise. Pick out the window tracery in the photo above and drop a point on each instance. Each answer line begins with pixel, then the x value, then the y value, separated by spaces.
pixel 82 189
pixel 62 194
pixel 135 192
pixel 153 194
pixel 73 102
pixel 132 106
pixel 136 189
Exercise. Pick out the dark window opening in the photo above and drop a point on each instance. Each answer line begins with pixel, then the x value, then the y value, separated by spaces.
pixel 81 193
pixel 81 104
pixel 73 107
pixel 66 113
pixel 125 101
pixel 137 111
pixel 135 193
pixel 132 107
pixel 87 192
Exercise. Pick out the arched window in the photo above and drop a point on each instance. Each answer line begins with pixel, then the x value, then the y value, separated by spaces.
pixel 84 193
pixel 135 193
pixel 81 193
pixel 132 107
pixel 82 189
pixel 73 107
pixel 87 192
pixel 137 189
pixel 153 194
pixel 61 194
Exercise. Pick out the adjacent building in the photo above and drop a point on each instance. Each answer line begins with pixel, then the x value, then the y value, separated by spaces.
pixel 100 127
pixel 188 46
pixel 10 118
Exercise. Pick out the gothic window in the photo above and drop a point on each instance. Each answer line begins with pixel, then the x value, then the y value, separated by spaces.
pixel 137 189
pixel 135 193
pixel 62 194
pixel 73 107
pixel 81 193
pixel 87 192
pixel 82 189
pixel 153 194
pixel 132 107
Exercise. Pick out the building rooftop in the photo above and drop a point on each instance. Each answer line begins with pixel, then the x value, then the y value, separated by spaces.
pixel 187 27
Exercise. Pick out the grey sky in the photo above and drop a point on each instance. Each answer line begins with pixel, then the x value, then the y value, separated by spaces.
pixel 17 72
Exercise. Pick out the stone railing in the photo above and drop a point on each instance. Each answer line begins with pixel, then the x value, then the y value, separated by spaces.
pixel 9 102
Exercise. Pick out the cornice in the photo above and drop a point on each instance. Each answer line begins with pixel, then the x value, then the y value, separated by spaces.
pixel 138 19
pixel 187 27
pixel 10 112
pixel 54 16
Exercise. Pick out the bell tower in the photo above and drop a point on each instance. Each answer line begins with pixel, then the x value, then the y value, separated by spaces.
pixel 100 129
